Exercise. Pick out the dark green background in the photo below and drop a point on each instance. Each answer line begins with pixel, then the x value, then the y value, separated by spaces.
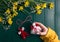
pixel 48 17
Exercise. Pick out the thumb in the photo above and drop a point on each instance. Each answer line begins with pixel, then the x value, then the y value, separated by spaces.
pixel 41 25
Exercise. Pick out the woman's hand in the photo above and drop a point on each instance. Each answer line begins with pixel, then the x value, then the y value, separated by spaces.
pixel 43 30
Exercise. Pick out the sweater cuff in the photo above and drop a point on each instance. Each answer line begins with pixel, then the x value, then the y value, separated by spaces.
pixel 49 34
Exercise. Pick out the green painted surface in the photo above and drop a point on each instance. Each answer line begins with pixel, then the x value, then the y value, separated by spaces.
pixel 48 18
pixel 57 17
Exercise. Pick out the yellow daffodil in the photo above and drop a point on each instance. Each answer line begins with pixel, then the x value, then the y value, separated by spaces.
pixel 21 8
pixel 38 7
pixel 26 3
pixel 15 3
pixel 14 14
pixel 51 5
pixel 1 19
pixel 39 11
pixel 8 11
pixel 10 21
pixel 44 5
pixel 14 7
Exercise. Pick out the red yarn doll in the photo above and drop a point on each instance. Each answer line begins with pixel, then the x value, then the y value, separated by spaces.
pixel 35 28
pixel 23 33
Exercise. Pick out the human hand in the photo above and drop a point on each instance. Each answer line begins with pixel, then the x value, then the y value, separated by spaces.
pixel 43 29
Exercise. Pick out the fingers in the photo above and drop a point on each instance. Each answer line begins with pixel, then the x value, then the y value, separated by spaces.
pixel 44 29
pixel 41 25
pixel 44 32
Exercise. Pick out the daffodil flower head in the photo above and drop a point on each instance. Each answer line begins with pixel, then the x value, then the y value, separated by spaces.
pixel 44 5
pixel 14 14
pixel 14 7
pixel 38 6
pixel 21 8
pixel 10 21
pixel 39 11
pixel 1 19
pixel 15 3
pixel 51 6
pixel 7 11
pixel 26 3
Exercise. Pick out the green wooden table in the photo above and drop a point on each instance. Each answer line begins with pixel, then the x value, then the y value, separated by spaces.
pixel 48 18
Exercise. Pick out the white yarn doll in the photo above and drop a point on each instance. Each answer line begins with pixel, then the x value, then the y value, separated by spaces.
pixel 35 28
